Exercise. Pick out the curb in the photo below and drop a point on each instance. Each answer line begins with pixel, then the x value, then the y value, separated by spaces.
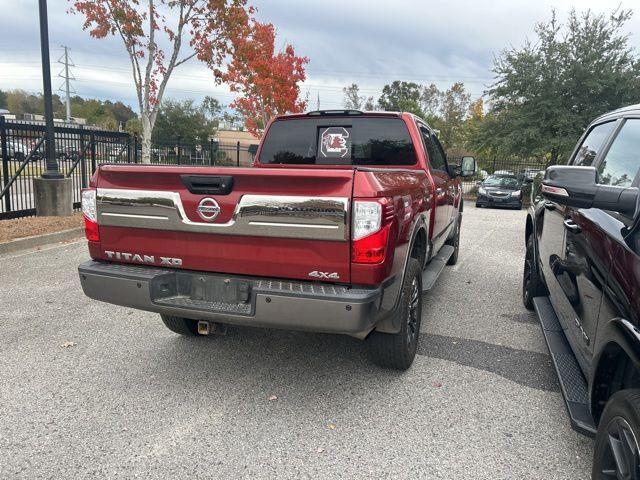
pixel 41 240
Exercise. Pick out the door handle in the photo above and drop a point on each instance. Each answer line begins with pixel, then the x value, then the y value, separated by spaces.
pixel 571 226
pixel 549 205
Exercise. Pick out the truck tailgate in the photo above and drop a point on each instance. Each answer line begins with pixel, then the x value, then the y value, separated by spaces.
pixel 284 223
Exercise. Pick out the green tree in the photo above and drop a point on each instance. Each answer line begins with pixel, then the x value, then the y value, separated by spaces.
pixel 430 99
pixel 473 122
pixel 121 112
pixel 354 101
pixel 401 96
pixel 183 121
pixel 548 91
pixel 369 106
pixel 213 110
pixel 453 107
pixel 3 99
pixel 133 126
pixel 20 102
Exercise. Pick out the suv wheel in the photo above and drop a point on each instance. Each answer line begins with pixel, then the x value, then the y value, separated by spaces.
pixel 455 242
pixel 398 350
pixel 532 284
pixel 183 326
pixel 616 452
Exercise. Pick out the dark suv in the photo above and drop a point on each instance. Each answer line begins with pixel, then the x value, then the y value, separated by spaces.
pixel 582 275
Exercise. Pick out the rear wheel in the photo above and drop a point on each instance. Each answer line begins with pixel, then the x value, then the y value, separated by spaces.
pixel 398 350
pixel 532 284
pixel 180 325
pixel 455 242
pixel 616 452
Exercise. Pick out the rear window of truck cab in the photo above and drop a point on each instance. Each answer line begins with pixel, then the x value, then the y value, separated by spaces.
pixel 338 141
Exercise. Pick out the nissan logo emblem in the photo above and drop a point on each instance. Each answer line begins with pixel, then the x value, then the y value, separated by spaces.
pixel 208 209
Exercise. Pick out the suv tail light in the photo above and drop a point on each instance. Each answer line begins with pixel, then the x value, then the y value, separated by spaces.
pixel 371 225
pixel 90 214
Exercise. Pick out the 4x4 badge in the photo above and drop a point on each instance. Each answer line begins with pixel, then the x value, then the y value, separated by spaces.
pixel 327 275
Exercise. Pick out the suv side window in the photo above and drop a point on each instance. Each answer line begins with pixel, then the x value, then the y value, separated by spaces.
pixel 592 144
pixel 620 165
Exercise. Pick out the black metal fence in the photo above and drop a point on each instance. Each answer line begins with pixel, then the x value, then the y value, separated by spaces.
pixel 211 153
pixel 79 150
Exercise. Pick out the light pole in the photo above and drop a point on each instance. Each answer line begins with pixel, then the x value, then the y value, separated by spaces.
pixel 53 192
pixel 53 170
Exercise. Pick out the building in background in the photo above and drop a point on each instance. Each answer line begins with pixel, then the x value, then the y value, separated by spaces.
pixel 228 141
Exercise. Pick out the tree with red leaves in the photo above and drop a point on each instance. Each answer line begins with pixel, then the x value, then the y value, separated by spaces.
pixel 210 27
pixel 268 82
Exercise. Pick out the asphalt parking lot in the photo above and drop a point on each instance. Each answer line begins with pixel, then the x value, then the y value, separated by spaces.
pixel 94 390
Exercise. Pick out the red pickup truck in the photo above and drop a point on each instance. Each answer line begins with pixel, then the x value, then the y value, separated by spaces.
pixel 345 219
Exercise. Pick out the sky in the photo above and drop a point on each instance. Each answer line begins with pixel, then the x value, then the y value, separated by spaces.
pixel 370 43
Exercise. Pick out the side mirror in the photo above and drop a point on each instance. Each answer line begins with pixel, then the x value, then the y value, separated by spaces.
pixel 578 187
pixel 468 167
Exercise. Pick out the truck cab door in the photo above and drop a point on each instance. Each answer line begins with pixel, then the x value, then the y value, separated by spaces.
pixel 576 267
pixel 444 193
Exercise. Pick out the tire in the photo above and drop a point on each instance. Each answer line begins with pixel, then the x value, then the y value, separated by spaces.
pixel 398 350
pixel 620 429
pixel 182 326
pixel 455 242
pixel 532 284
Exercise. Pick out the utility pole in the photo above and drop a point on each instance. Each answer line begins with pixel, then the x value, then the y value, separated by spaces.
pixel 64 60
pixel 318 106
pixel 53 192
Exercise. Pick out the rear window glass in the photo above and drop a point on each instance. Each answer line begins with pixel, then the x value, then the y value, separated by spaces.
pixel 338 141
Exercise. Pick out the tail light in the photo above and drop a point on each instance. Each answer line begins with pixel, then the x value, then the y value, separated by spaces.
pixel 90 214
pixel 371 224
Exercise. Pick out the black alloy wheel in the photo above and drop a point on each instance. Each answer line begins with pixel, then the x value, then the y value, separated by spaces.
pixel 398 350
pixel 620 456
pixel 616 452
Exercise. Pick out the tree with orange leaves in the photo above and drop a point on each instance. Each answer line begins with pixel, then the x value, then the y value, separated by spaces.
pixel 268 82
pixel 208 29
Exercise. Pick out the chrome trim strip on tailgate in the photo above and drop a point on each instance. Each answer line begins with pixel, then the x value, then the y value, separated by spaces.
pixel 319 218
